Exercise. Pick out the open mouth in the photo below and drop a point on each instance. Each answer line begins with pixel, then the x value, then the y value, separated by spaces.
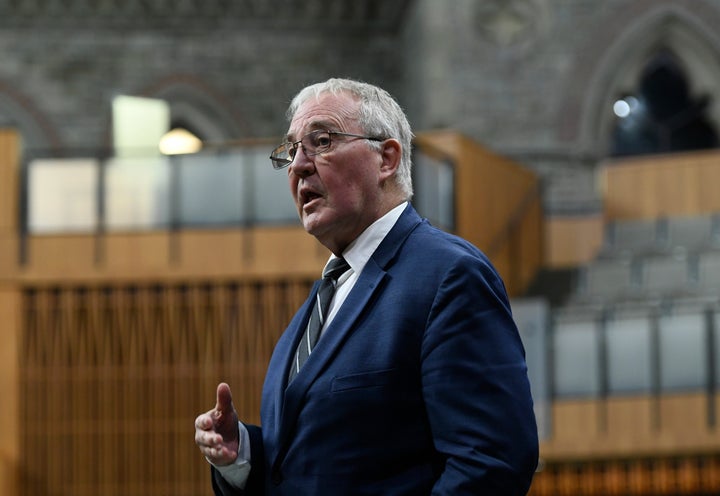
pixel 309 196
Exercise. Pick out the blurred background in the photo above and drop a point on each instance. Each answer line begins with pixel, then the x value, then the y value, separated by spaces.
pixel 149 251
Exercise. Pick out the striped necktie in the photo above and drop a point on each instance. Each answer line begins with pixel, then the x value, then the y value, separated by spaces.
pixel 334 269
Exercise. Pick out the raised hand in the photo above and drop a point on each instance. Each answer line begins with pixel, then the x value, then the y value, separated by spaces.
pixel 216 431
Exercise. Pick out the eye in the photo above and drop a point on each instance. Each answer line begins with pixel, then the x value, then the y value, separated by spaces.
pixel 321 140
pixel 291 150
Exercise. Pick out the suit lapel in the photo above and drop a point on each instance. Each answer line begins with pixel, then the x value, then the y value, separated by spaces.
pixel 285 350
pixel 289 400
pixel 333 337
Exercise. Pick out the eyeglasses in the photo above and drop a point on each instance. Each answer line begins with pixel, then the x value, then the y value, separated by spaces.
pixel 313 143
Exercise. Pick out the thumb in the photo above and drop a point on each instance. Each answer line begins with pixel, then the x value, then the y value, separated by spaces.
pixel 224 399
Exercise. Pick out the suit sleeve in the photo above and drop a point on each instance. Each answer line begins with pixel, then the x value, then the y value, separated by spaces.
pixel 476 388
pixel 255 485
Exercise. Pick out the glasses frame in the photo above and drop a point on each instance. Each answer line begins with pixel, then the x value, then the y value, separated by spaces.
pixel 280 163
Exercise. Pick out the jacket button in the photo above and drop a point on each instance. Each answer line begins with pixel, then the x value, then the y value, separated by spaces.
pixel 276 477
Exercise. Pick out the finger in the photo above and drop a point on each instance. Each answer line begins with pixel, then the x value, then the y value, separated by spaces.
pixel 227 455
pixel 204 422
pixel 224 399
pixel 218 455
pixel 221 455
pixel 205 439
pixel 201 440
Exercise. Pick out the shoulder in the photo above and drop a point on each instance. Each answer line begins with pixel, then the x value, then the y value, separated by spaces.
pixel 427 251
pixel 445 248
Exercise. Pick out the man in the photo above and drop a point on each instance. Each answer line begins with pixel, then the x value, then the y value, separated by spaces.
pixel 418 383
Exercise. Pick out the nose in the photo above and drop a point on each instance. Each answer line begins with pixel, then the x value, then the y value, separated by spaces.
pixel 302 165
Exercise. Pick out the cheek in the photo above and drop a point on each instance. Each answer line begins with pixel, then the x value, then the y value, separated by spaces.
pixel 344 187
pixel 350 198
pixel 359 187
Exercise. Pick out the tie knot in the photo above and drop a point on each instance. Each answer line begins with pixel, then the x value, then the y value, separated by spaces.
pixel 335 268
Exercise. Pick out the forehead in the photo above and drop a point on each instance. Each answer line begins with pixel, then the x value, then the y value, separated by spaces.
pixel 335 112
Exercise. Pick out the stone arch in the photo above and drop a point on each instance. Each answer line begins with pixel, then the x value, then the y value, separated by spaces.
pixel 200 107
pixel 616 69
pixel 18 112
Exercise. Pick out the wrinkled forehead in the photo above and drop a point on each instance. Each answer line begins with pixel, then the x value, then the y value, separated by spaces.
pixel 326 110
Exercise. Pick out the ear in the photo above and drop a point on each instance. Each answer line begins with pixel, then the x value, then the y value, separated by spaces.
pixel 390 154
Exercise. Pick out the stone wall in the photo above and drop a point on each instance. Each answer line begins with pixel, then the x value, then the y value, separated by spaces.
pixel 531 79
pixel 536 79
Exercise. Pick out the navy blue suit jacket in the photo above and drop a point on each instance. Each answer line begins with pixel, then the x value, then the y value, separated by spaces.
pixel 418 386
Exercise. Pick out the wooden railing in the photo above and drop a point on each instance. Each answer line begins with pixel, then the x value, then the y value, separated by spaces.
pixel 645 476
pixel 651 187
pixel 646 187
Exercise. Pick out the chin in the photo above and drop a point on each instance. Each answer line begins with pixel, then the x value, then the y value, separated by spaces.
pixel 310 223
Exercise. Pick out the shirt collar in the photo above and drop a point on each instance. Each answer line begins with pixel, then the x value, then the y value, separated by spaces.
pixel 359 251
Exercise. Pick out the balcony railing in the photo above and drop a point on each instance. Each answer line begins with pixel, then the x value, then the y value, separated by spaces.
pixel 228 187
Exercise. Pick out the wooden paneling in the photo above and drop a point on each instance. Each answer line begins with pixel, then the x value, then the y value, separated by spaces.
pixel 10 387
pixel 8 255
pixel 488 187
pixel 576 426
pixel 9 179
pixel 8 476
pixel 684 421
pixel 214 252
pixel 630 420
pixel 631 426
pixel 519 256
pixel 136 252
pixel 572 241
pixel 60 256
pixel 114 376
pixel 9 194
pixel 691 474
pixel 269 252
pixel 280 251
pixel 662 185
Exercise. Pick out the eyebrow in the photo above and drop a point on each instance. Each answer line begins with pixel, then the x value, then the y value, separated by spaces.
pixel 324 125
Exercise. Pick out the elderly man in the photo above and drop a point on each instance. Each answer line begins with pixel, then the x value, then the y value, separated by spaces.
pixel 403 373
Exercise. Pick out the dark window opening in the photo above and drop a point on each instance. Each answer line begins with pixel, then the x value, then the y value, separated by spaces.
pixel 662 116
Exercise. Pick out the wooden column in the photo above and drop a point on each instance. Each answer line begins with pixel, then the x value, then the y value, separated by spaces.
pixel 9 315
pixel 9 194
pixel 9 391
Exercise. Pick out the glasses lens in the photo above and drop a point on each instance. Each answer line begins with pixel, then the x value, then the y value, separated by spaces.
pixel 280 156
pixel 312 143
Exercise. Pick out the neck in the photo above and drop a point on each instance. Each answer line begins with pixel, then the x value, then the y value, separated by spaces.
pixel 338 245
